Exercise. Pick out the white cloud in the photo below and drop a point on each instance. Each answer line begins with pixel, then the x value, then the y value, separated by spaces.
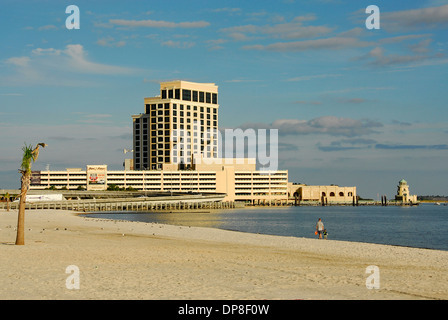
pixel 432 17
pixel 419 54
pixel 158 24
pixel 98 145
pixel 289 30
pixel 178 44
pixel 315 76
pixel 228 10
pixel 50 66
pixel 47 27
pixel 317 44
pixel 48 51
pixel 327 125
pixel 110 42
pixel 79 62
pixel 18 61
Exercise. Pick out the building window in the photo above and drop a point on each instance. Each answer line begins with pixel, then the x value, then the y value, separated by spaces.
pixel 163 94
pixel 341 194
pixel 177 94
pixel 214 98
pixel 331 194
pixel 186 95
pixel 201 96
pixel 208 98
pixel 170 94
pixel 195 96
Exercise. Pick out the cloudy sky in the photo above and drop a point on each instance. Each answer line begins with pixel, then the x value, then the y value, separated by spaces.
pixel 353 106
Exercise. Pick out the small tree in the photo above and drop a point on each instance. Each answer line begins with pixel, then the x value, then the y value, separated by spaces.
pixel 29 154
pixel 7 197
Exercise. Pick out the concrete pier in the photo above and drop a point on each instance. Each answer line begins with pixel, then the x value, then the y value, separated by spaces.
pixel 125 205
pixel 161 202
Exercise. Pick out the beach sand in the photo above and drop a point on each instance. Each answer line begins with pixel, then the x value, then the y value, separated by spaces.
pixel 136 260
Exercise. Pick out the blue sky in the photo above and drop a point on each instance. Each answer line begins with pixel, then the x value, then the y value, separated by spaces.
pixel 353 106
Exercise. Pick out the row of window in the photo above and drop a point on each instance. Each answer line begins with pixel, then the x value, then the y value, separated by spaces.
pixel 166 125
pixel 166 106
pixel 341 194
pixel 190 95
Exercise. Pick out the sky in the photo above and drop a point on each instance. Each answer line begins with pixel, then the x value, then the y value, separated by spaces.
pixel 353 106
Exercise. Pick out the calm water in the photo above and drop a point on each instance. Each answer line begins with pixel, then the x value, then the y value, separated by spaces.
pixel 424 226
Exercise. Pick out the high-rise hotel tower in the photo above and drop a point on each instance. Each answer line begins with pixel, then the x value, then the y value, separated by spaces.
pixel 177 125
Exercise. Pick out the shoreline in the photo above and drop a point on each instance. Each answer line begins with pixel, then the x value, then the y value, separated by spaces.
pixel 234 230
pixel 121 259
pixel 248 208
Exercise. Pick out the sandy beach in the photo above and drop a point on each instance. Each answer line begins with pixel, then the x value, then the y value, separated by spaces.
pixel 136 260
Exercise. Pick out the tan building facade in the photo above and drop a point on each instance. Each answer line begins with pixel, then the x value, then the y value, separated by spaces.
pixel 239 184
pixel 322 194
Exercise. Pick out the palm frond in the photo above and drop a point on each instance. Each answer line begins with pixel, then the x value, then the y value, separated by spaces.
pixel 27 157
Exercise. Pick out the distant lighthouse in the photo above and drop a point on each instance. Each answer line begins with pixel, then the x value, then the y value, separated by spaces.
pixel 403 194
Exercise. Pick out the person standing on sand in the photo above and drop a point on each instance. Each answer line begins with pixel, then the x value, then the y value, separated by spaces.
pixel 319 227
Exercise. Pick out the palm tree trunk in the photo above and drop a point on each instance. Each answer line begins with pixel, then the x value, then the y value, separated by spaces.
pixel 20 238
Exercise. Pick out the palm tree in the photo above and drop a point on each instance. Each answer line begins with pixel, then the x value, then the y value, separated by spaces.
pixel 8 197
pixel 28 154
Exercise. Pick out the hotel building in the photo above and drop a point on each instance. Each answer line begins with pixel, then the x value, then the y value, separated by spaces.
pixel 240 182
pixel 175 148
pixel 180 122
